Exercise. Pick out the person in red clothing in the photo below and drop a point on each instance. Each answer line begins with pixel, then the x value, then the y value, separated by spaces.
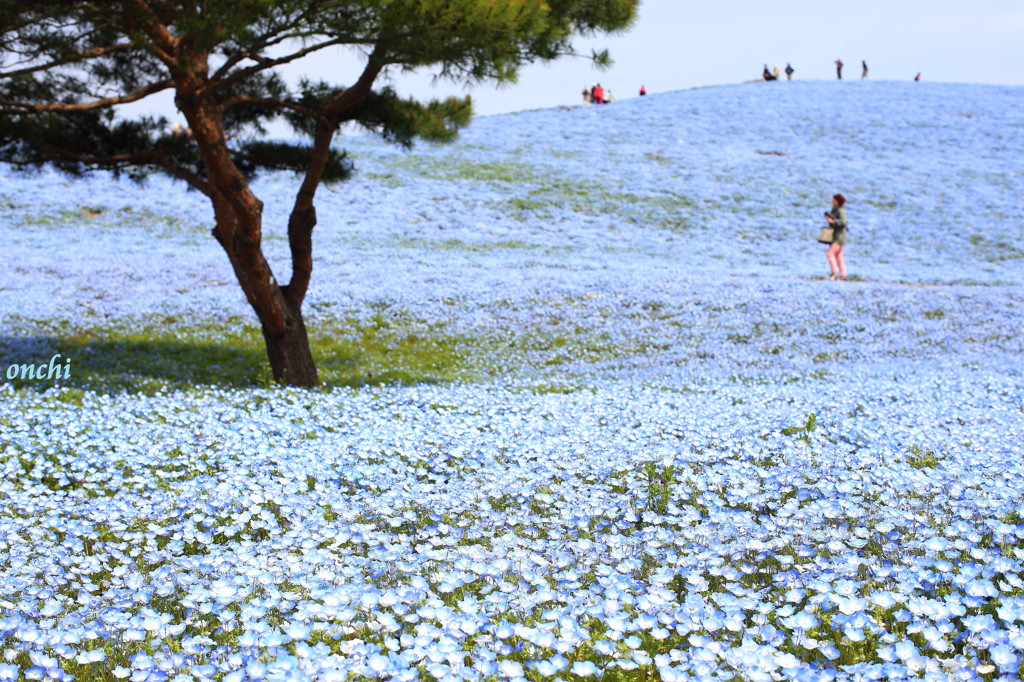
pixel 643 90
pixel 598 94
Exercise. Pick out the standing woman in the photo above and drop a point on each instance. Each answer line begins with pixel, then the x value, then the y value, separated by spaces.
pixel 837 221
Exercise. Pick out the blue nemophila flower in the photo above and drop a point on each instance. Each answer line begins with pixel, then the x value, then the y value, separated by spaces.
pixel 91 656
pixel 1004 657
pixel 585 669
pixel 134 635
pixel 297 631
pixel 510 669
pixel 980 623
pixel 905 650
pixel 803 620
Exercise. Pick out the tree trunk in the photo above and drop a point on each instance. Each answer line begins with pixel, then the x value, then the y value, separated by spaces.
pixel 291 359
pixel 279 309
pixel 239 228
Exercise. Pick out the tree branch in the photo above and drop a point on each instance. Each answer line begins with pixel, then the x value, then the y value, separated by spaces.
pixel 272 102
pixel 284 31
pixel 264 64
pixel 175 169
pixel 267 40
pixel 76 57
pixel 153 157
pixel 161 42
pixel 11 107
pixel 348 97
pixel 303 216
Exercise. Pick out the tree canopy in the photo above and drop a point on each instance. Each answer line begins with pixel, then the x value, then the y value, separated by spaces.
pixel 68 66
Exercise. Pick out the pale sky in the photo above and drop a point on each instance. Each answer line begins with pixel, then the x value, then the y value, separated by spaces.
pixel 676 44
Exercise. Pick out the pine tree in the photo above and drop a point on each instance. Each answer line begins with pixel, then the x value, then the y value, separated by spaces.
pixel 66 65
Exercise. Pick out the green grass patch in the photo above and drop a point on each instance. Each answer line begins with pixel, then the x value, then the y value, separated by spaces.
pixel 920 458
pixel 232 353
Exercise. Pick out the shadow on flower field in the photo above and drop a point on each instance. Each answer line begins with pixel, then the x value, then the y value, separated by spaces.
pixel 151 365
pixel 115 365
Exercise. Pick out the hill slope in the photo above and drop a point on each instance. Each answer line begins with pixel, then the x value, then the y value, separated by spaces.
pixel 622 223
pixel 734 179
pixel 591 408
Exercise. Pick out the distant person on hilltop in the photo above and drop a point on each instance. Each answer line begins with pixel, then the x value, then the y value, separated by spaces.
pixel 587 95
pixel 597 94
pixel 918 76
pixel 775 73
pixel 863 70
pixel 837 221
pixel 643 91
pixel 789 71
pixel 767 74
pixel 839 69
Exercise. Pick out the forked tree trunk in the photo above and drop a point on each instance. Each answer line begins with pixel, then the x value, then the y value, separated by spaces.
pixel 238 229
pixel 284 330
pixel 279 309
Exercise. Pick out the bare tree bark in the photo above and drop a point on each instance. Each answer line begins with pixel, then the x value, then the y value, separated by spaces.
pixel 239 230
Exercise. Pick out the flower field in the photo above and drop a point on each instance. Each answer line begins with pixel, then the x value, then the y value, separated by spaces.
pixel 591 408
